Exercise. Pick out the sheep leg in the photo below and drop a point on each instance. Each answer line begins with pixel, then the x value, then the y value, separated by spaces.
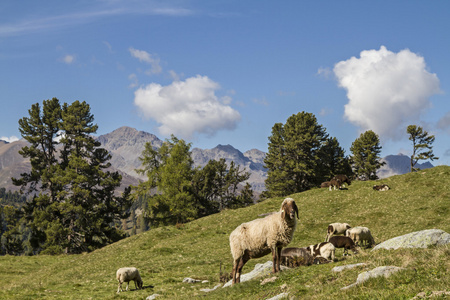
pixel 237 267
pixel 276 255
pixel 119 288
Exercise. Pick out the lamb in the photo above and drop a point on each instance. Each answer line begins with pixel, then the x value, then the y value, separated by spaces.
pixel 343 242
pixel 325 250
pixel 126 275
pixel 381 188
pixel 360 234
pixel 293 257
pixel 336 228
pixel 335 183
pixel 259 237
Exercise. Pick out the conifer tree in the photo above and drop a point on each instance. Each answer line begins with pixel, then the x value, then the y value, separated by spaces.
pixel 422 145
pixel 365 159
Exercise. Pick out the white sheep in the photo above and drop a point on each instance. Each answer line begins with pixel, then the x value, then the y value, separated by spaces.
pixel 336 228
pixel 325 250
pixel 259 237
pixel 126 275
pixel 360 234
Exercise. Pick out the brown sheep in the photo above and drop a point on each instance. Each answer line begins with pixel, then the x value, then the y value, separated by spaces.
pixel 343 242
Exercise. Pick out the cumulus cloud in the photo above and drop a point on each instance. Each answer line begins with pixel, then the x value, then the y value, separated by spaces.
pixel 386 90
pixel 68 59
pixel 146 57
pixel 9 139
pixel 185 108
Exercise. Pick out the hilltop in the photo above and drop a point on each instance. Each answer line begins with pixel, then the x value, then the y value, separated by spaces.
pixel 166 255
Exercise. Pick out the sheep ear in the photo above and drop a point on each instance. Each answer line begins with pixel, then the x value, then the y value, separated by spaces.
pixel 283 213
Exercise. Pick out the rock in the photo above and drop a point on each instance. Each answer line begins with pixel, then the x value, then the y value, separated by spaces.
pixel 267 280
pixel 385 271
pixel 210 290
pixel 259 270
pixel 342 268
pixel 280 296
pixel 418 239
pixel 152 297
pixel 424 295
pixel 190 280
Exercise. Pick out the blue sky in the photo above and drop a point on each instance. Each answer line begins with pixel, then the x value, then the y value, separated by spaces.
pixel 224 72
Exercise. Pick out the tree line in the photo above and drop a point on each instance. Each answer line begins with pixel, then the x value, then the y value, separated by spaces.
pixel 73 205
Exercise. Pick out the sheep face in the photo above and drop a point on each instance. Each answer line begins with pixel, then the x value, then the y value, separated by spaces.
pixel 289 209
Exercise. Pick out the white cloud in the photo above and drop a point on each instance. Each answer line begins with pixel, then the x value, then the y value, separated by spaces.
pixel 185 108
pixel 9 139
pixel 148 58
pixel 68 59
pixel 386 90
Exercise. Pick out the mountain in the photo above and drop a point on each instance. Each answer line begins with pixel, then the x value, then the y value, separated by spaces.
pixel 398 165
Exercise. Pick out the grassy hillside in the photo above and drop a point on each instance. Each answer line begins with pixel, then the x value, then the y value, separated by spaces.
pixel 166 255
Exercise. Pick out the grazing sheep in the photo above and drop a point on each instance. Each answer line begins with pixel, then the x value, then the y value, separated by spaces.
pixel 259 237
pixel 335 183
pixel 336 228
pixel 343 242
pixel 294 257
pixel 343 178
pixel 325 184
pixel 381 188
pixel 325 250
pixel 126 275
pixel 360 234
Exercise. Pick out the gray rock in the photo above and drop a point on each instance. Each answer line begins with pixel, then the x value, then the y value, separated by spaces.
pixel 280 296
pixel 210 290
pixel 152 297
pixel 342 268
pixel 418 239
pixel 259 270
pixel 190 280
pixel 385 271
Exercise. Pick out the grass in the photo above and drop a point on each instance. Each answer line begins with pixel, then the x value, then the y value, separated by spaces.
pixel 164 256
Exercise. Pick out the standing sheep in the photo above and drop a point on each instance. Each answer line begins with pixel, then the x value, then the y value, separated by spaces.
pixel 336 228
pixel 343 242
pixel 126 275
pixel 259 237
pixel 360 234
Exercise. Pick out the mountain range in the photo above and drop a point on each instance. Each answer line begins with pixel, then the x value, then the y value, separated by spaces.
pixel 126 144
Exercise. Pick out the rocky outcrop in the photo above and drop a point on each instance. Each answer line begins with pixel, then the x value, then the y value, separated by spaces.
pixel 418 239
pixel 258 271
pixel 385 271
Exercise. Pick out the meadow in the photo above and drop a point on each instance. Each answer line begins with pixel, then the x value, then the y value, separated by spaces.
pixel 199 249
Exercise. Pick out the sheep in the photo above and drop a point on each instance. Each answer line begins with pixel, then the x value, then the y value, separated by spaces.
pixel 325 250
pixel 294 257
pixel 325 184
pixel 336 228
pixel 381 188
pixel 360 234
pixel 259 237
pixel 335 183
pixel 343 242
pixel 126 275
pixel 343 178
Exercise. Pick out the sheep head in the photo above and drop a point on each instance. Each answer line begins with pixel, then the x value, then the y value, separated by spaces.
pixel 289 208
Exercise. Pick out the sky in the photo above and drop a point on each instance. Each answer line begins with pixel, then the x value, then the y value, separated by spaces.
pixel 224 72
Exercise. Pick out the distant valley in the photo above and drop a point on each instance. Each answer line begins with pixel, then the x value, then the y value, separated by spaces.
pixel 126 145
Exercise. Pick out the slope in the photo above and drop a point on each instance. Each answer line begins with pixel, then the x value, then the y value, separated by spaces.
pixel 166 255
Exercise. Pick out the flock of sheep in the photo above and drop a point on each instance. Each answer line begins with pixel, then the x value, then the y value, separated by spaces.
pixel 271 234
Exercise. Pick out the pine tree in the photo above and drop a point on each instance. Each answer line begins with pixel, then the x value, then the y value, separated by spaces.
pixel 76 206
pixel 422 141
pixel 293 160
pixel 365 159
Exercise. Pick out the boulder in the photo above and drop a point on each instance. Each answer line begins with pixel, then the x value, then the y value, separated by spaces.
pixel 259 270
pixel 385 271
pixel 418 239
pixel 346 267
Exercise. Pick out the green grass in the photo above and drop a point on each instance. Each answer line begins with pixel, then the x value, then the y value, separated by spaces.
pixel 164 256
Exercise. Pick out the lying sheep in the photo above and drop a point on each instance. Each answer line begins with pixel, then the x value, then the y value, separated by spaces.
pixel 295 257
pixel 343 242
pixel 259 237
pixel 335 183
pixel 325 184
pixel 126 275
pixel 336 228
pixel 325 250
pixel 360 235
pixel 381 188
pixel 343 178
